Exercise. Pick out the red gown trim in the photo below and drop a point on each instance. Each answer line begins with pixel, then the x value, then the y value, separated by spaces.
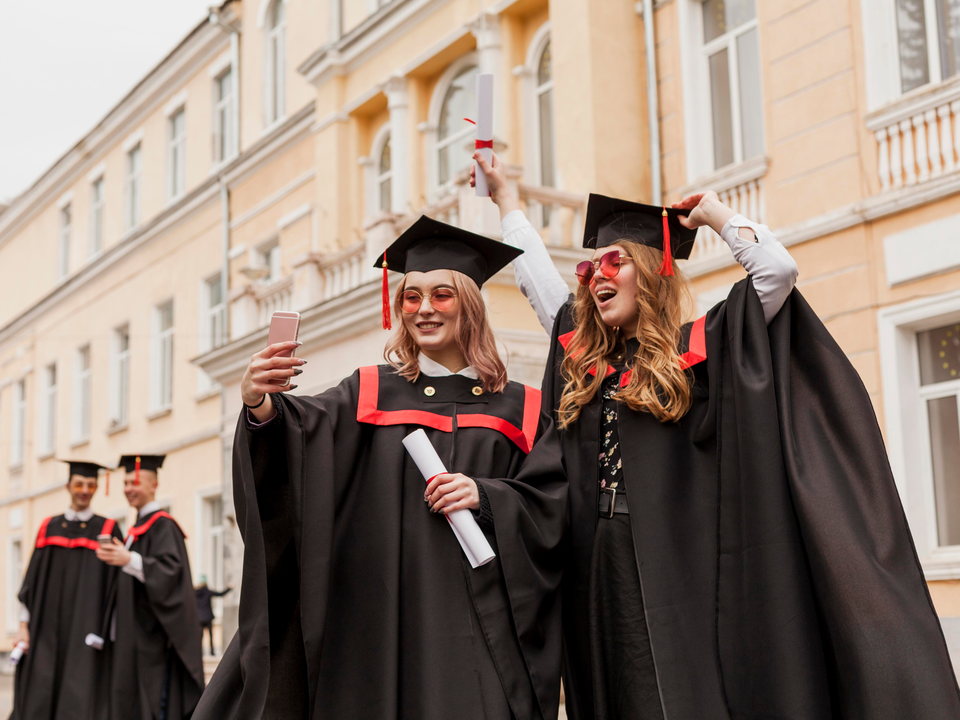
pixel 368 412
pixel 60 541
pixel 137 531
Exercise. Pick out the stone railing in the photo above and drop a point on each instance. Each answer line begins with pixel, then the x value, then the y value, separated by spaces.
pixel 918 137
pixel 557 211
pixel 740 188
pixel 273 297
pixel 344 270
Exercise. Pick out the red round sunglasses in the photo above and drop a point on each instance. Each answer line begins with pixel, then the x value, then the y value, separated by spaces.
pixel 608 265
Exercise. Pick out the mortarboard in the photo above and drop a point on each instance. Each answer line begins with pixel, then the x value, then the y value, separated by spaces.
pixel 611 220
pixel 429 244
pixel 136 463
pixel 84 468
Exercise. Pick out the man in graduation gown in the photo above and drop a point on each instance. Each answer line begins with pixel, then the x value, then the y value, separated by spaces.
pixel 778 573
pixel 62 600
pixel 157 665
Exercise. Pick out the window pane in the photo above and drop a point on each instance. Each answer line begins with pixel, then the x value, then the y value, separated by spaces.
pixel 722 116
pixel 385 157
pixel 545 71
pixel 166 317
pixel 751 106
pixel 385 200
pixel 912 35
pixel 546 139
pixel 939 354
pixel 460 103
pixel 945 453
pixel 444 162
pixel 276 13
pixel 721 16
pixel 224 85
pixel 948 14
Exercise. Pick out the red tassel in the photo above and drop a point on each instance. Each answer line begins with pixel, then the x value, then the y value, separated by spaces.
pixel 387 324
pixel 107 493
pixel 666 267
pixel 136 470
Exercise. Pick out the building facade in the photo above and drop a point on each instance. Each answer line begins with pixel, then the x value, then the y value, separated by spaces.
pixel 283 144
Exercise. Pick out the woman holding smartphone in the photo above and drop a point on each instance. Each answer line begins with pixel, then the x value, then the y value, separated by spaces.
pixel 738 549
pixel 357 600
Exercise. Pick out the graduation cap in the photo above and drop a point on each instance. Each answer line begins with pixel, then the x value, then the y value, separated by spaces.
pixel 429 244
pixel 136 463
pixel 84 468
pixel 611 220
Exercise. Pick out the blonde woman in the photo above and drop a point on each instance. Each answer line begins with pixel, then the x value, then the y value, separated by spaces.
pixel 357 600
pixel 738 549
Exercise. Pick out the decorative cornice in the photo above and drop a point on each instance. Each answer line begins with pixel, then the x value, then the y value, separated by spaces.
pixel 728 178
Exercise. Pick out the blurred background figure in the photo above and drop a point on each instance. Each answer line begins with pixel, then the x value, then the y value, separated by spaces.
pixel 205 607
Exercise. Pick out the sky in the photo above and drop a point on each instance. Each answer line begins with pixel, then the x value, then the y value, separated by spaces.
pixel 65 63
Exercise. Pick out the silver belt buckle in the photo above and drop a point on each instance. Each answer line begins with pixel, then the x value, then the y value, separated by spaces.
pixel 612 492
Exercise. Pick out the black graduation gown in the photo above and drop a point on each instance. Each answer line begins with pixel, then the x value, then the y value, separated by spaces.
pixel 157 631
pixel 65 590
pixel 357 601
pixel 779 578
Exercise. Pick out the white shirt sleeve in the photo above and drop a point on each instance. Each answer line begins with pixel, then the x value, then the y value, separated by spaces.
pixel 773 269
pixel 537 276
pixel 24 613
pixel 135 566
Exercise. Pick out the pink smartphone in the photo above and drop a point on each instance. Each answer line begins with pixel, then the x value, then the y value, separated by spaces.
pixel 284 327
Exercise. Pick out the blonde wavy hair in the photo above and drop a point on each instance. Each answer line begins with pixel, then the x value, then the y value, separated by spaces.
pixel 658 384
pixel 474 338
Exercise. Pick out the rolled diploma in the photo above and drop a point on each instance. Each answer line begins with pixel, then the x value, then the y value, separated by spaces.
pixel 17 652
pixel 93 640
pixel 484 127
pixel 469 534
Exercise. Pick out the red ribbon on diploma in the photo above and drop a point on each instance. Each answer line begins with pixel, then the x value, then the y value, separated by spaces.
pixel 483 144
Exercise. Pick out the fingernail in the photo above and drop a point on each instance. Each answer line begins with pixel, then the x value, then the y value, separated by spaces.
pixel 297 371
pixel 303 362
pixel 298 343
pixel 292 387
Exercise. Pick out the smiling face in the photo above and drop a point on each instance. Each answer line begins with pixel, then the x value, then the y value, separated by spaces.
pixel 146 491
pixel 433 326
pixel 616 297
pixel 81 489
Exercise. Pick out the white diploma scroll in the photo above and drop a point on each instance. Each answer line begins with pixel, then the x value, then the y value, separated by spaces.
pixel 93 640
pixel 484 128
pixel 17 652
pixel 472 540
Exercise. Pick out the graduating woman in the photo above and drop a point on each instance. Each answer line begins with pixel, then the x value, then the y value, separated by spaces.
pixel 357 600
pixel 738 546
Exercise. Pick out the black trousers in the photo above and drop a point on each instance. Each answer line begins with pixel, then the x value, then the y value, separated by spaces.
pixel 208 627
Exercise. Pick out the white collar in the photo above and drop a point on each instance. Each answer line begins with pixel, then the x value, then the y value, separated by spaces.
pixel 150 507
pixel 72 515
pixel 431 368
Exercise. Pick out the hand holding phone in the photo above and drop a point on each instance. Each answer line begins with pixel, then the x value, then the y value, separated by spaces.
pixel 284 327
pixel 105 540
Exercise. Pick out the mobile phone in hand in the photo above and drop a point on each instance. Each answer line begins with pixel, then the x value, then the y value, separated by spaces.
pixel 284 327
pixel 105 540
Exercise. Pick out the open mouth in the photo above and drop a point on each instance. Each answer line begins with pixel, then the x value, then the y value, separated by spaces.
pixel 429 325
pixel 605 295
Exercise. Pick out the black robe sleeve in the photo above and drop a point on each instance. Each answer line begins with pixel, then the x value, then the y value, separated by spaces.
pixel 820 589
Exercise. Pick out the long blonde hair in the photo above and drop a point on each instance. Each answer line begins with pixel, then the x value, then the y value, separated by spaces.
pixel 658 384
pixel 474 338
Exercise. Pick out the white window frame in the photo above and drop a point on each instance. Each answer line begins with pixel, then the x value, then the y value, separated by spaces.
pixel 119 378
pixel 176 155
pixel 205 534
pixel 162 358
pixel 531 91
pixel 133 186
pixel 48 411
pixel 18 424
pixel 15 572
pixel 432 127
pixel 695 70
pixel 64 231
pixel 82 394
pixel 274 67
pixel 379 142
pixel 212 330
pixel 97 190
pixel 906 421
pixel 224 116
pixel 268 254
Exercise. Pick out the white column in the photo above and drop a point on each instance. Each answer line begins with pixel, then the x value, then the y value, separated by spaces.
pixel 486 29
pixel 398 105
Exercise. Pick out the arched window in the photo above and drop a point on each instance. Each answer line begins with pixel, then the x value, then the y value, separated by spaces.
pixel 275 61
pixel 544 93
pixel 459 102
pixel 384 176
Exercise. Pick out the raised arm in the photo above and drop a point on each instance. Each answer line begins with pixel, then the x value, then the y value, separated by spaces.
pixel 754 246
pixel 536 275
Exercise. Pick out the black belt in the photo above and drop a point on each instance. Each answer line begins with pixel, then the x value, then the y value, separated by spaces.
pixel 612 502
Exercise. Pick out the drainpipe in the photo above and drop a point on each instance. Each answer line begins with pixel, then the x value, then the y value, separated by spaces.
pixel 653 110
pixel 225 259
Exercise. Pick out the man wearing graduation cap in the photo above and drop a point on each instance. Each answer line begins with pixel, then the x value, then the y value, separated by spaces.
pixel 154 636
pixel 742 553
pixel 62 600
pixel 358 601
